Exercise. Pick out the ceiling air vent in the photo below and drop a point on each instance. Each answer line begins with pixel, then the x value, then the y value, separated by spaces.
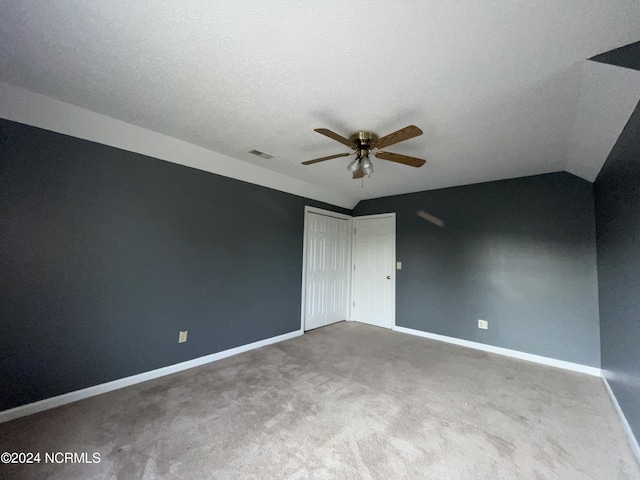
pixel 261 154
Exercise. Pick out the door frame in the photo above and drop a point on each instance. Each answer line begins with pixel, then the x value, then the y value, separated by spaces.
pixel 328 213
pixel 393 270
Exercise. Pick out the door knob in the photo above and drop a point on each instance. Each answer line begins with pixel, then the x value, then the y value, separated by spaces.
pixel 388 277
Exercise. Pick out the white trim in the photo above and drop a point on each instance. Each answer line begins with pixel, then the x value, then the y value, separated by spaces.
pixel 307 210
pixel 328 213
pixel 377 215
pixel 31 108
pixel 393 270
pixel 576 367
pixel 625 424
pixel 70 397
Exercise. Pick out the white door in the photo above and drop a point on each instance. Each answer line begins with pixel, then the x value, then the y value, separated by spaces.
pixel 374 270
pixel 327 270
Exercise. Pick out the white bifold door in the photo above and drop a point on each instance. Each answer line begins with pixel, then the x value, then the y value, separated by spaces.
pixel 327 269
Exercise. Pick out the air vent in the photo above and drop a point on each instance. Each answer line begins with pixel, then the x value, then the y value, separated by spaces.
pixel 261 154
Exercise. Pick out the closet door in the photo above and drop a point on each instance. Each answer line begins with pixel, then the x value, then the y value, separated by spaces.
pixel 338 271
pixel 327 270
pixel 316 264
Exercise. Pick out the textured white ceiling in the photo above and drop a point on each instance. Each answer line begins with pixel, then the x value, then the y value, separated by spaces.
pixel 500 88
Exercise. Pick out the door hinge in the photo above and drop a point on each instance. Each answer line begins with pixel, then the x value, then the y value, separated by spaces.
pixel 354 231
pixel 354 304
pixel 354 266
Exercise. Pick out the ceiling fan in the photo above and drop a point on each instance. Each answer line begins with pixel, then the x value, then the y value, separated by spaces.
pixel 364 143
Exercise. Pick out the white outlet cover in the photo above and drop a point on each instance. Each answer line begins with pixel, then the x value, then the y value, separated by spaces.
pixel 483 324
pixel 182 336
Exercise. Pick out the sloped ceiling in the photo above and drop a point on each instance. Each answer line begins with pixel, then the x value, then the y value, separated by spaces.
pixel 501 89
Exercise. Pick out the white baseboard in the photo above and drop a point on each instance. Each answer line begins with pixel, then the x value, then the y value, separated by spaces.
pixel 70 397
pixel 576 367
pixel 625 424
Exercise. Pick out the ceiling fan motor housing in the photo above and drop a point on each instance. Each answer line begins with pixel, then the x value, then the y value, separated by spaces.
pixel 363 141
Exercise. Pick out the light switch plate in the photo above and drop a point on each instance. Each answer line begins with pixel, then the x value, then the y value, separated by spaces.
pixel 182 336
pixel 398 265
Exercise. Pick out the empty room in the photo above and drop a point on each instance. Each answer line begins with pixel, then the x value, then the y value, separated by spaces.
pixel 366 239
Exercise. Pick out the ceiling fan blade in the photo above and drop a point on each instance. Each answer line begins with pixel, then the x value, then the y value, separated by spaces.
pixel 322 159
pixel 336 137
pixel 400 136
pixel 404 159
pixel 358 174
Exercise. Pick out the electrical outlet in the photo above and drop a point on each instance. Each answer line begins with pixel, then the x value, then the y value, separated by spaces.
pixel 483 324
pixel 182 336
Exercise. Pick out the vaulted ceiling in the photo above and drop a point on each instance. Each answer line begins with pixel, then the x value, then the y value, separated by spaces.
pixel 501 89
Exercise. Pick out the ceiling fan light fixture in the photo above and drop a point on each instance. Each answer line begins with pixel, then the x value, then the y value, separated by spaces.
pixel 354 166
pixel 367 166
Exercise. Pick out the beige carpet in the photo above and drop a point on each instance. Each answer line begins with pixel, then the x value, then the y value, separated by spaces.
pixel 344 401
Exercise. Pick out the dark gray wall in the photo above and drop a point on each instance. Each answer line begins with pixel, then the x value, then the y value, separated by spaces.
pixel 617 194
pixel 627 56
pixel 105 255
pixel 519 253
